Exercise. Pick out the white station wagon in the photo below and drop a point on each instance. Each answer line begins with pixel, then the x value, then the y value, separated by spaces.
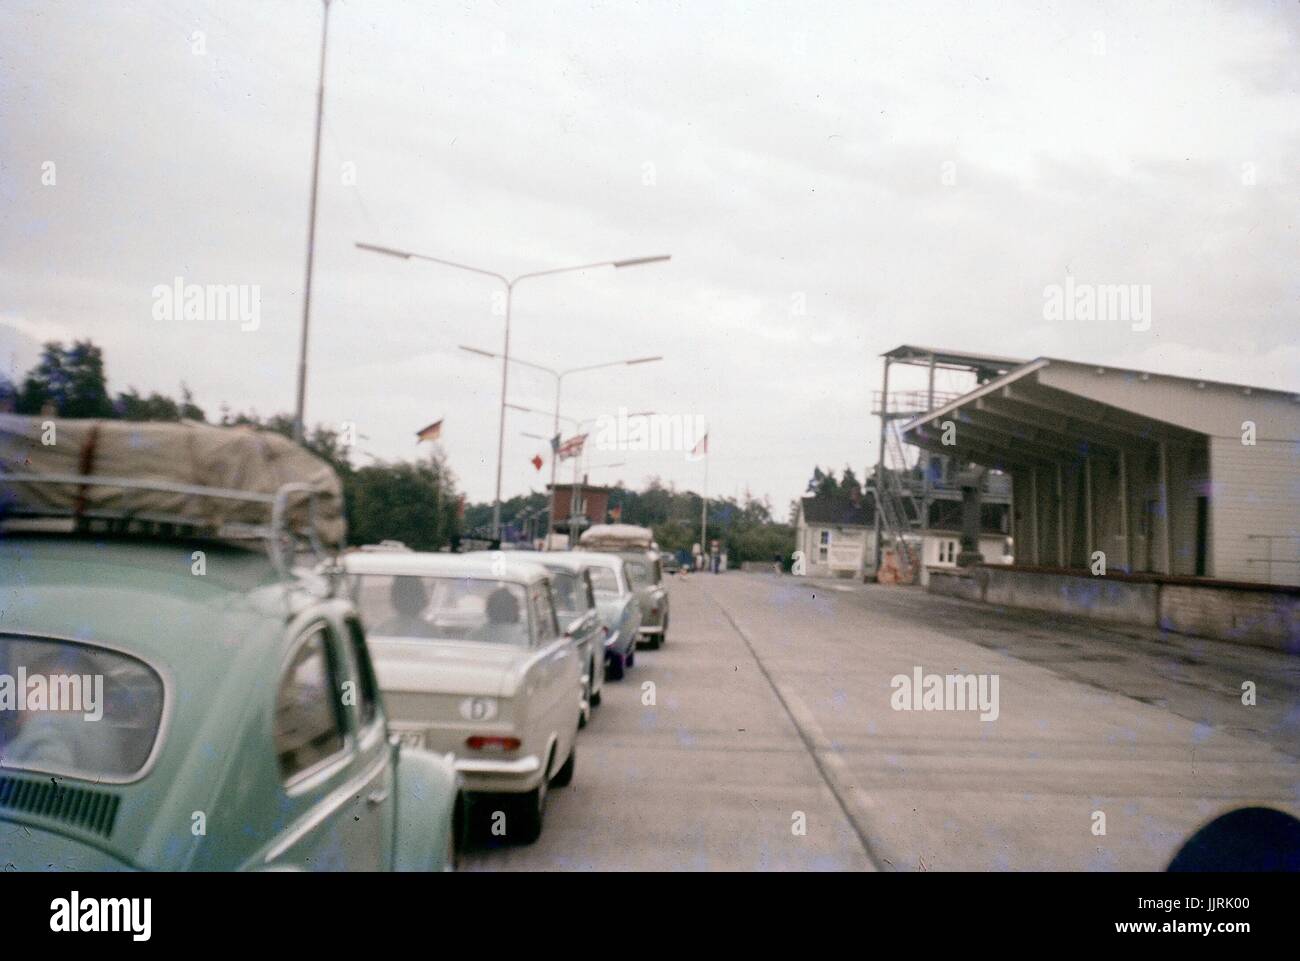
pixel 473 664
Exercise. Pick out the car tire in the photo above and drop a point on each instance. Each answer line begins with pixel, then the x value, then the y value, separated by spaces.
pixel 654 642
pixel 452 862
pixel 564 776
pixel 615 667
pixel 530 813
pixel 595 699
pixel 663 635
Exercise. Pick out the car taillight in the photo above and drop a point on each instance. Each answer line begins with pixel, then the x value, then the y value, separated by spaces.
pixel 492 742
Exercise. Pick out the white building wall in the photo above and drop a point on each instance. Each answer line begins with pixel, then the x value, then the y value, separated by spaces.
pixel 940 549
pixel 851 549
pixel 1256 495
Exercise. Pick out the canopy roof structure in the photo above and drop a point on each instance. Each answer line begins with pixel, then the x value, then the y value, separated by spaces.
pixel 1050 409
pixel 1170 475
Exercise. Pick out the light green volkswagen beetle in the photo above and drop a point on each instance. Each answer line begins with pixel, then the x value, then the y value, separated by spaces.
pixel 172 701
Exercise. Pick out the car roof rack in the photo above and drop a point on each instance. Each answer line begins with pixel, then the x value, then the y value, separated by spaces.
pixel 281 536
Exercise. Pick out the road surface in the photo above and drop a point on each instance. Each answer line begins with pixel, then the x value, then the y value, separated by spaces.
pixel 766 740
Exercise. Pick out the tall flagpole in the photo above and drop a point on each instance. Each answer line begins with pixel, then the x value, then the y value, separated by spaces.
pixel 704 505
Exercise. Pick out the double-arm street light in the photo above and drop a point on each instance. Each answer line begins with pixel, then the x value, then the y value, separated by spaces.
pixel 509 284
pixel 559 376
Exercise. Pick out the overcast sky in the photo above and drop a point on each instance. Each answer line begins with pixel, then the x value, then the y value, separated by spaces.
pixel 831 180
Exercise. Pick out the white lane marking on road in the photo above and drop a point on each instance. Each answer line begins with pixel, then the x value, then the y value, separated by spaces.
pixel 824 747
pixel 829 764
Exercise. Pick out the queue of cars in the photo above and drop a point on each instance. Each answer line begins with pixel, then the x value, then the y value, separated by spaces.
pixel 214 696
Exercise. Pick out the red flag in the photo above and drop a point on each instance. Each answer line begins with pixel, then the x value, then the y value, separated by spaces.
pixel 571 447
pixel 702 448
pixel 537 461
pixel 432 432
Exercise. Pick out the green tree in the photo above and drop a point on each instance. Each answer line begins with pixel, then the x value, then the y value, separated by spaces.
pixel 70 379
pixel 411 502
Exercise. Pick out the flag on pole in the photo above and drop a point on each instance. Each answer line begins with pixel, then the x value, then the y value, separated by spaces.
pixel 432 432
pixel 571 447
pixel 701 449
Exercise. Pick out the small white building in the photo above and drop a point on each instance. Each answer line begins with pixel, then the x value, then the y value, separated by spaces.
pixel 836 535
pixel 940 549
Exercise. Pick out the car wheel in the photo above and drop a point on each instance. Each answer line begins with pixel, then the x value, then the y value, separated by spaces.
pixel 530 811
pixel 595 699
pixel 564 776
pixel 615 667
pixel 461 825
pixel 586 697
pixel 663 635
pixel 452 860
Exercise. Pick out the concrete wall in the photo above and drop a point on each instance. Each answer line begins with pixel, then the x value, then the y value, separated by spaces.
pixel 1266 618
pixel 1099 598
pixel 1258 617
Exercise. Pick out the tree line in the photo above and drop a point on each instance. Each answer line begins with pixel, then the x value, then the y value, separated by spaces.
pixel 416 502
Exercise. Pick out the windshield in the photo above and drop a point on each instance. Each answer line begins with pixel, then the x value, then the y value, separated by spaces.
pixel 454 609
pixel 604 580
pixel 74 709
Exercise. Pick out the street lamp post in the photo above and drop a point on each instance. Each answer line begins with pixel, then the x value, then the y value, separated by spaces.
pixel 509 284
pixel 299 430
pixel 559 376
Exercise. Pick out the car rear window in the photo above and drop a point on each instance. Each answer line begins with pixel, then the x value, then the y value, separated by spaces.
pixel 76 709
pixel 446 608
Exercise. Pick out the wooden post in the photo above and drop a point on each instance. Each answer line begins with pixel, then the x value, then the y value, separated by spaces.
pixel 1033 496
pixel 1123 510
pixel 1167 552
pixel 1087 506
pixel 1060 516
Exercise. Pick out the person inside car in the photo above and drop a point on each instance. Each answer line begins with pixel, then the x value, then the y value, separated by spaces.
pixel 409 602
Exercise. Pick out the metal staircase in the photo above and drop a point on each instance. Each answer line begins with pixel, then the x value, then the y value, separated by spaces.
pixel 898 508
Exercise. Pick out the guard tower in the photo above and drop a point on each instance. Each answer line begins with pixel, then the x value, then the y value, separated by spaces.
pixel 920 493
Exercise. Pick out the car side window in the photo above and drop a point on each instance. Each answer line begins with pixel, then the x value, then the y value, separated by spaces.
pixel 367 694
pixel 308 719
pixel 544 614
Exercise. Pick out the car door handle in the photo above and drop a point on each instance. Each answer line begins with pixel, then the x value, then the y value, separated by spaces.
pixel 377 797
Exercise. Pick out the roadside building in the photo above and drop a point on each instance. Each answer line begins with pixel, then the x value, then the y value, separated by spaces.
pixel 836 534
pixel 577 507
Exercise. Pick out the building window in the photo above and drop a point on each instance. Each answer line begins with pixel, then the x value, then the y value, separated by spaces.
pixel 947 552
pixel 824 546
